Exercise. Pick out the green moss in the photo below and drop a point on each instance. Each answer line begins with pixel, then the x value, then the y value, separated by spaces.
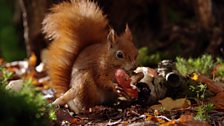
pixel 10 48
pixel 220 70
pixel 198 90
pixel 202 112
pixel 203 65
pixel 27 107
pixel 144 59
pixel 5 76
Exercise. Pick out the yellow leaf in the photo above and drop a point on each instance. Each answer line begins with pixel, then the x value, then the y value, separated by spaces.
pixel 32 60
pixel 194 76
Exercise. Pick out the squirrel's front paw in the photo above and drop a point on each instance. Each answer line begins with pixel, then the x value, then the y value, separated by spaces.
pixel 118 88
pixel 124 81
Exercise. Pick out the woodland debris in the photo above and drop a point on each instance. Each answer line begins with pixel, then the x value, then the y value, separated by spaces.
pixel 212 86
pixel 218 100
pixel 15 85
pixel 169 104
pixel 132 113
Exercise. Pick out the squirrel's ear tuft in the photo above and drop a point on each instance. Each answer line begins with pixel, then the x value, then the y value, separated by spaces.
pixel 111 38
pixel 127 33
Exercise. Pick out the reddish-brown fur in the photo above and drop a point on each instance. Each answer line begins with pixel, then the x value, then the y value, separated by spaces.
pixel 82 58
pixel 69 25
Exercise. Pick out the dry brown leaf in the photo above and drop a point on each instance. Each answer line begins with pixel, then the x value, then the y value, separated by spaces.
pixel 154 119
pixel 156 107
pixel 169 104
pixel 74 121
pixel 218 100
pixel 211 84
pixel 63 116
pixel 170 123
pixel 125 123
pixel 1 61
pixel 185 120
pixel 188 120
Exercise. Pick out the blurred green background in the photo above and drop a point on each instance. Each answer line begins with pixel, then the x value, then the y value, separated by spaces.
pixel 161 29
pixel 12 45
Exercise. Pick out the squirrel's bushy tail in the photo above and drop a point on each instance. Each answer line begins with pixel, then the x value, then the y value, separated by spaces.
pixel 72 26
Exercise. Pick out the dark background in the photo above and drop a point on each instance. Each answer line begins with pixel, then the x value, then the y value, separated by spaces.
pixel 170 28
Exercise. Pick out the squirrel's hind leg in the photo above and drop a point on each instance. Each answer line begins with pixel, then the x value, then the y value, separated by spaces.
pixel 69 98
pixel 70 94
pixel 83 93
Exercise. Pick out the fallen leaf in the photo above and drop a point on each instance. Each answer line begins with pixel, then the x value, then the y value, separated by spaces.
pixel 218 100
pixel 74 121
pixel 154 119
pixel 169 104
pixel 194 77
pixel 188 120
pixel 170 123
pixel 32 61
pixel 1 61
pixel 156 107
pixel 64 116
pixel 185 120
pixel 125 123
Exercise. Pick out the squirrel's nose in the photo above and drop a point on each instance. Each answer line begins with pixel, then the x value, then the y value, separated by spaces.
pixel 134 66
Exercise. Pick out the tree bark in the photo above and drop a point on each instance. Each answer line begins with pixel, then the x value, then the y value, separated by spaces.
pixel 33 12
pixel 203 10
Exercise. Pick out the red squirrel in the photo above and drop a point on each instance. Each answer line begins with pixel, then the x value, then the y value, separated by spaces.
pixel 84 54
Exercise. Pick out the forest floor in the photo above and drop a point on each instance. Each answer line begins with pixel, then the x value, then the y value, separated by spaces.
pixel 198 98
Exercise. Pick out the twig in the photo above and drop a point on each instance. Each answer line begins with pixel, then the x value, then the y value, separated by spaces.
pixel 25 25
pixel 164 117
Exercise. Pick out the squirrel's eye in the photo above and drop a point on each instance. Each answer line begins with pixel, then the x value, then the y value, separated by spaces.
pixel 119 54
